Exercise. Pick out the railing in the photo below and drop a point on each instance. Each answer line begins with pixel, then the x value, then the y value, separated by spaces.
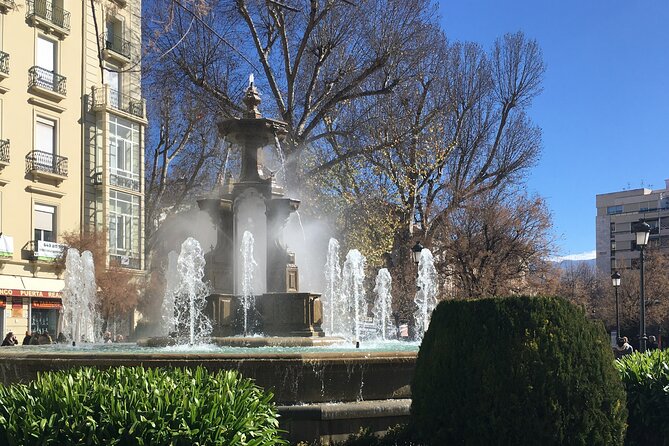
pixel 4 151
pixel 7 4
pixel 49 80
pixel 46 162
pixel 105 96
pixel 4 62
pixel 125 261
pixel 47 11
pixel 117 44
pixel 124 178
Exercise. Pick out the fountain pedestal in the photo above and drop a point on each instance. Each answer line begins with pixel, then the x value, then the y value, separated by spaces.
pixel 291 314
pixel 283 310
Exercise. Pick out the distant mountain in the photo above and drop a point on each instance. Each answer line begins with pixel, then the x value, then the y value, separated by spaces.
pixel 569 264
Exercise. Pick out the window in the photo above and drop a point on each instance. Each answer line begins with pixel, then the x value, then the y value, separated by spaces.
pixel 44 223
pixel 46 62
pixel 113 80
pixel 45 135
pixel 123 224
pixel 613 246
pixel 124 153
pixel 648 206
pixel 612 228
pixel 613 264
pixel 612 210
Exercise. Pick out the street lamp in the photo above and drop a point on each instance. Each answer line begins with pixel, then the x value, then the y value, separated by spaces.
pixel 615 279
pixel 641 229
pixel 415 255
pixel 415 252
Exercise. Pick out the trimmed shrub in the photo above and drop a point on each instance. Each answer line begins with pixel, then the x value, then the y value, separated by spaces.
pixel 137 406
pixel 516 371
pixel 646 379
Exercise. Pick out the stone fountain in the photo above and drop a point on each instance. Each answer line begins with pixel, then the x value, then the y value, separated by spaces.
pixel 256 203
pixel 323 394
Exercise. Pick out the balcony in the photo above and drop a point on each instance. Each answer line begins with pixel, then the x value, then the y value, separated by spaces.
pixel 4 65
pixel 47 165
pixel 47 83
pixel 43 251
pixel 45 14
pixel 125 261
pixel 115 48
pixel 104 99
pixel 6 5
pixel 4 152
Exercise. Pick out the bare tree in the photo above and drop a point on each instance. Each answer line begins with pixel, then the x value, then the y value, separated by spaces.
pixel 314 57
pixel 491 245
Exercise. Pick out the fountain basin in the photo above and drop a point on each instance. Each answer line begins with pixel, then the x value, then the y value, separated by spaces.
pixel 294 378
pixel 321 395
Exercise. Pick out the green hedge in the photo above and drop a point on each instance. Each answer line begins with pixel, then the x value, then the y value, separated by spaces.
pixel 137 406
pixel 516 371
pixel 646 379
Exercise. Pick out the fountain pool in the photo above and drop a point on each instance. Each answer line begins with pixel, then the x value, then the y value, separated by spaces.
pixel 323 393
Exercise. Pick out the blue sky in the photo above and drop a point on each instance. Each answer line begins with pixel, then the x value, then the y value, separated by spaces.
pixel 605 104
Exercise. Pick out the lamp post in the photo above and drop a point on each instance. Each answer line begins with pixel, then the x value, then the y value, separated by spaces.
pixel 415 255
pixel 641 229
pixel 615 279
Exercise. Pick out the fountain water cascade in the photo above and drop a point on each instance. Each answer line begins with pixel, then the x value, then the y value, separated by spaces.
pixel 248 294
pixel 333 307
pixel 382 309
pixel 81 321
pixel 169 322
pixel 353 290
pixel 426 295
pixel 190 297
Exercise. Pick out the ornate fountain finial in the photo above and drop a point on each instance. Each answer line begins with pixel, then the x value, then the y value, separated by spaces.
pixel 252 100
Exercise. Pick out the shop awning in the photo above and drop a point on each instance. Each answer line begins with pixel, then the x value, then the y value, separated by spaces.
pixel 30 286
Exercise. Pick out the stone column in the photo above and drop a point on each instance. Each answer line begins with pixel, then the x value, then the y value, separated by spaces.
pixel 277 212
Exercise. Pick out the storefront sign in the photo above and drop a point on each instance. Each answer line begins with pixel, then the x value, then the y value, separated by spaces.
pixel 6 246
pixel 30 293
pixel 47 303
pixel 49 250
pixel 17 307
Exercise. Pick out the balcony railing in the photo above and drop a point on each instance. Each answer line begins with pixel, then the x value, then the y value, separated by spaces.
pixel 122 178
pixel 126 261
pixel 47 80
pixel 107 97
pixel 38 161
pixel 4 151
pixel 4 62
pixel 6 5
pixel 117 45
pixel 46 11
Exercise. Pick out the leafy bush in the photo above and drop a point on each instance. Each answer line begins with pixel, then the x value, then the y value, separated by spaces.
pixel 137 406
pixel 646 379
pixel 521 371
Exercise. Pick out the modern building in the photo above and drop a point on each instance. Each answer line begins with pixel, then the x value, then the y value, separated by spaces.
pixel 616 211
pixel 72 124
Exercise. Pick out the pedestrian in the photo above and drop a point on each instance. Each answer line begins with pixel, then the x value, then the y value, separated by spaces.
pixel 26 340
pixel 652 343
pixel 10 340
pixel 624 347
pixel 44 338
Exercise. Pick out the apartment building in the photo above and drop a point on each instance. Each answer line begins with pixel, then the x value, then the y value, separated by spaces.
pixel 616 211
pixel 72 124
